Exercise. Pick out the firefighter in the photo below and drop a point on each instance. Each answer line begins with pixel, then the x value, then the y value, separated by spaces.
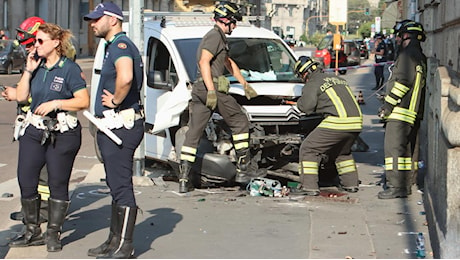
pixel 403 110
pixel 210 93
pixel 25 35
pixel 332 139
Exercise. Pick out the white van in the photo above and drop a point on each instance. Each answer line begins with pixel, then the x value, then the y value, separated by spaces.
pixel 170 45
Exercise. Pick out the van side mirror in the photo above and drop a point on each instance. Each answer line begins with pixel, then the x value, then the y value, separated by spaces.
pixel 157 79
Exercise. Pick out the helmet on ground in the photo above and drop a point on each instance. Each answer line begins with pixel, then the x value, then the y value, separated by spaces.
pixel 27 31
pixel 228 10
pixel 305 64
pixel 415 29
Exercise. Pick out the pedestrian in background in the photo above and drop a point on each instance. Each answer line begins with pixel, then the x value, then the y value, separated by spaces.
pixel 210 92
pixel 403 110
pixel 118 101
pixel 332 139
pixel 51 133
pixel 380 56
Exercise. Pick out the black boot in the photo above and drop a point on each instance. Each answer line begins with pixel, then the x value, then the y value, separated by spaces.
pixel 57 211
pixel 111 241
pixel 242 165
pixel 185 185
pixel 393 193
pixel 32 236
pixel 125 225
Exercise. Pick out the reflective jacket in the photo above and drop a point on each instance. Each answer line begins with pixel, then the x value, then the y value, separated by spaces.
pixel 330 96
pixel 406 88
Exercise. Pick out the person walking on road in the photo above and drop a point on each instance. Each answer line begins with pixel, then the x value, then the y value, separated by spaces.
pixel 380 56
pixel 403 110
pixel 333 138
pixel 210 92
pixel 51 133
pixel 117 105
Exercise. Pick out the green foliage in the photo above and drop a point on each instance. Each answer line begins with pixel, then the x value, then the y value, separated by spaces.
pixel 365 30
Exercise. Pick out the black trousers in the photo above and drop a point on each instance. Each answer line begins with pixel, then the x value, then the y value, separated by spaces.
pixel 59 158
pixel 379 77
pixel 118 162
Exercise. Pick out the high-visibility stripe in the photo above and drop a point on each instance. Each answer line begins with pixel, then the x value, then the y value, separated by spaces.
pixel 403 114
pixel 354 100
pixel 404 164
pixel 241 145
pixel 391 100
pixel 239 137
pixel 346 123
pixel 187 149
pixel 309 167
pixel 337 102
pixel 399 89
pixel 346 166
pixel 44 192
pixel 187 157
pixel 414 98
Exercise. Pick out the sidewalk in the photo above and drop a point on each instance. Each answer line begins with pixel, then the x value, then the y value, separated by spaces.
pixel 228 223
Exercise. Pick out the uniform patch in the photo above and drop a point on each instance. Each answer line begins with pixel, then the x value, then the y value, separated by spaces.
pixel 56 86
pixel 122 45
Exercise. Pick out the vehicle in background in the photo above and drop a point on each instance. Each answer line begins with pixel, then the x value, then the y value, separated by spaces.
pixel 12 56
pixel 363 50
pixel 351 49
pixel 325 54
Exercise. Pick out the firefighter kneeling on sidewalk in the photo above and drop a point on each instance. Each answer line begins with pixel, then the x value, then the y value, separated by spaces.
pixel 333 138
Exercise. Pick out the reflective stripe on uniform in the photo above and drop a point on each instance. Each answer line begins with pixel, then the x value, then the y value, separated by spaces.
pixel 241 141
pixel 188 154
pixel 309 167
pixel 44 191
pixel 345 123
pixel 408 114
pixel 404 164
pixel 399 90
pixel 346 166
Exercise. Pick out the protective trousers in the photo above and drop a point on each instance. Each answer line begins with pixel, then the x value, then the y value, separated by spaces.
pixel 323 145
pixel 228 108
pixel 400 146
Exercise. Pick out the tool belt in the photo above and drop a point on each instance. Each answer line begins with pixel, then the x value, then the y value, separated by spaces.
pixel 124 118
pixel 62 123
pixel 223 84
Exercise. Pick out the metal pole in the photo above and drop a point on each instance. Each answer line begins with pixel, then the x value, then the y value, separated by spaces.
pixel 136 34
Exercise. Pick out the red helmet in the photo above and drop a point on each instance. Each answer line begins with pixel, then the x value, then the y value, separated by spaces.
pixel 28 30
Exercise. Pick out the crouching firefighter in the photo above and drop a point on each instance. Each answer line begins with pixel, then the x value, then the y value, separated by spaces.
pixel 403 110
pixel 333 137
pixel 210 92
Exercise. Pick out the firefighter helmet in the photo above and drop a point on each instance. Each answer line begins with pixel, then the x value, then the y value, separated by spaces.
pixel 305 64
pixel 228 10
pixel 415 29
pixel 27 31
pixel 398 26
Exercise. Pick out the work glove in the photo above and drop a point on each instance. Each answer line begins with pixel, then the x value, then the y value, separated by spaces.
pixel 211 99
pixel 249 91
pixel 385 110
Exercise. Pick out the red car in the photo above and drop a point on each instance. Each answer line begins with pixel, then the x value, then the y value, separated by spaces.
pixel 325 54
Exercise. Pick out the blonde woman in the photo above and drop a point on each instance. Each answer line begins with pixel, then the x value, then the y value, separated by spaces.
pixel 51 132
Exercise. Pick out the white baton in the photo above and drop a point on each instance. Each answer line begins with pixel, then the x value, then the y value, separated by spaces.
pixel 102 127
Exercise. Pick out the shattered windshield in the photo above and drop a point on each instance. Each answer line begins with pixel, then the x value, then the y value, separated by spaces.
pixel 259 59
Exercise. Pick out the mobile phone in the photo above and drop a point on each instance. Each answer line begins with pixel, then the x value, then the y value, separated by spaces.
pixel 36 57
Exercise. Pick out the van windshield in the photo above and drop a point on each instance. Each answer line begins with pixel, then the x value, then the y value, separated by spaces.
pixel 325 42
pixel 258 59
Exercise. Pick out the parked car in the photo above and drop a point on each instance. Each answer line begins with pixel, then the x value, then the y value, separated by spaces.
pixel 351 49
pixel 12 56
pixel 325 54
pixel 363 50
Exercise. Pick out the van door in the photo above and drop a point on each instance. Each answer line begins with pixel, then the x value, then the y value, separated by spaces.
pixel 167 97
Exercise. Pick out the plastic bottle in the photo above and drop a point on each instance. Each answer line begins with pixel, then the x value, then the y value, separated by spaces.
pixel 420 242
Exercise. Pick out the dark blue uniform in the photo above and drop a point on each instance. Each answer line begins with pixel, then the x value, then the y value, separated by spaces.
pixel 57 82
pixel 378 71
pixel 118 159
